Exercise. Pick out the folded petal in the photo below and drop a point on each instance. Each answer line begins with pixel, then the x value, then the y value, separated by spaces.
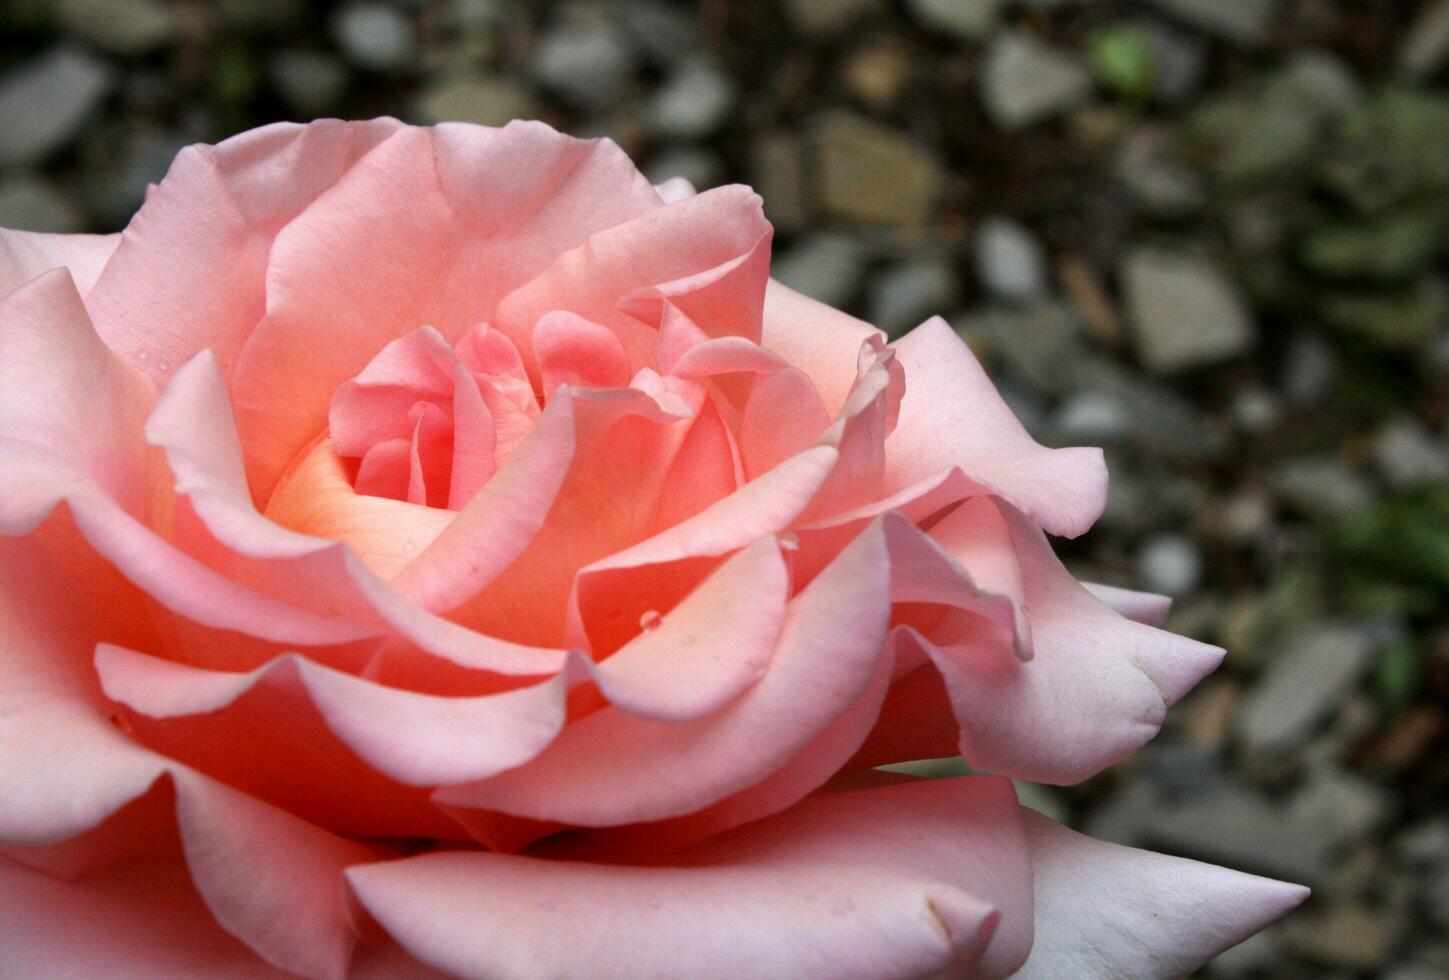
pixel 611 767
pixel 952 417
pixel 900 881
pixel 1103 910
pixel 1099 684
pixel 189 271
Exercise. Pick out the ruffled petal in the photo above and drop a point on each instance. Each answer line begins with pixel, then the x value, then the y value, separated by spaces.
pixel 1103 910
pixel 952 417
pixel 893 882
pixel 1099 684
pixel 827 652
pixel 189 271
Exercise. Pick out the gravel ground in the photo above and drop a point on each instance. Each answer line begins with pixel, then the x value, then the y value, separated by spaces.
pixel 1207 234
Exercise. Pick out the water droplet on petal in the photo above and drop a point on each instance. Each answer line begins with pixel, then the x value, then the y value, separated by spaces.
pixel 649 622
pixel 789 541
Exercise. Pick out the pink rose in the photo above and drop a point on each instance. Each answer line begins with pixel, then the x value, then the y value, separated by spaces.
pixel 385 501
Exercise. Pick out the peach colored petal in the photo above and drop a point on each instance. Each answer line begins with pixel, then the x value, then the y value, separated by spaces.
pixel 952 417
pixel 189 272
pixel 574 351
pixel 820 340
pixel 900 881
pixel 828 650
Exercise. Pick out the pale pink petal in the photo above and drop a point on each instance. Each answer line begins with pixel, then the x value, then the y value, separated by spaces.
pixel 574 351
pixel 895 882
pixel 26 254
pixel 612 767
pixel 189 272
pixel 442 743
pixel 454 217
pixel 139 921
pixel 1098 686
pixel 662 569
pixel 709 648
pixel 1103 910
pixel 706 469
pixel 819 339
pixel 952 417
pixel 782 416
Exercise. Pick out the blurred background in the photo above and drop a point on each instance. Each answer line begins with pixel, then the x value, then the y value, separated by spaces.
pixel 1206 234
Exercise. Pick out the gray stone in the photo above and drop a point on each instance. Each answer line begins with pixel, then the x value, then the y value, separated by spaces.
pixel 585 64
pixel 1339 808
pixel 1425 845
pixel 1150 166
pixel 45 101
pixel 488 100
pixel 828 18
pixel 127 27
pixel 117 188
pixel 1046 800
pixel 375 36
pixel 1163 421
pixel 905 293
pixel 826 267
pixel 1255 409
pixel 663 32
pixel 965 20
pixel 1025 81
pixel 1127 816
pixel 31 203
pixel 1040 343
pixel 310 82
pixel 871 174
pixel 1425 47
pixel 692 103
pixel 1183 311
pixel 1243 21
pixel 777 171
pixel 1306 682
pixel 1351 936
pixel 700 166
pixel 1254 956
pixel 1178 60
pixel 1320 486
pixel 1310 369
pixel 1092 418
pixel 1407 454
pixel 1010 262
pixel 1170 564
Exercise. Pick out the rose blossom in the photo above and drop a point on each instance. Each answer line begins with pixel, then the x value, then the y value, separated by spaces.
pixel 440 549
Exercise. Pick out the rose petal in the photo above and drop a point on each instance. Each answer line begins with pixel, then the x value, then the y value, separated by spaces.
pixel 1099 684
pixel 1106 910
pixel 828 650
pixel 952 416
pixel 189 271
pixel 818 339
pixel 900 881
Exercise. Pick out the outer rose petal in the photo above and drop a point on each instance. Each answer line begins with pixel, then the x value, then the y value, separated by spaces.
pixel 26 254
pixel 136 922
pixel 900 881
pixel 1108 911
pixel 190 268
pixel 952 417
pixel 820 340
pixel 1099 684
